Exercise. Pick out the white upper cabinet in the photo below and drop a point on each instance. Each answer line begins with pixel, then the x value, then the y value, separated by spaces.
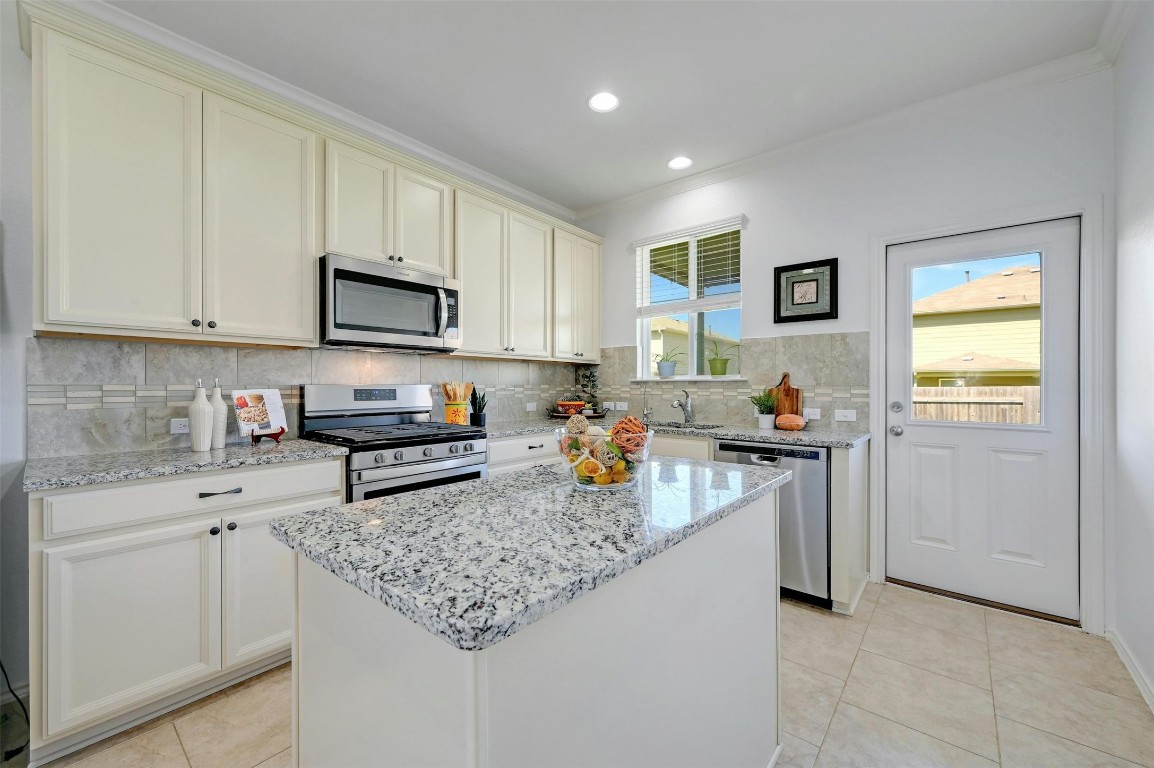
pixel 529 286
pixel 576 298
pixel 423 238
pixel 385 212
pixel 260 224
pixel 121 234
pixel 359 202
pixel 481 233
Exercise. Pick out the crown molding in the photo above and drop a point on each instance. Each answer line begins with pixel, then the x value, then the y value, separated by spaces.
pixel 133 34
pixel 1115 27
pixel 947 105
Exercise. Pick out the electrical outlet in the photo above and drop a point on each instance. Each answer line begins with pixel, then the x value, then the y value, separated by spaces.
pixel 178 427
pixel 811 413
pixel 845 415
pixel 530 407
pixel 621 406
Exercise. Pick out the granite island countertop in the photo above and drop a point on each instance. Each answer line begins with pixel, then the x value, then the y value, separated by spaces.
pixel 75 471
pixel 474 562
pixel 820 438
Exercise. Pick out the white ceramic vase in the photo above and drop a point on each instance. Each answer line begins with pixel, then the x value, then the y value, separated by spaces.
pixel 200 420
pixel 219 417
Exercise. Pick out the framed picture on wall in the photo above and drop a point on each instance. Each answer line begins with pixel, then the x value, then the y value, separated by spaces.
pixel 805 291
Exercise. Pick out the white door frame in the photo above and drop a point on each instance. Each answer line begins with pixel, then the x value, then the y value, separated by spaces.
pixel 1095 384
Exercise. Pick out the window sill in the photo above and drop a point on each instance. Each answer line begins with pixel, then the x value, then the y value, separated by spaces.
pixel 690 378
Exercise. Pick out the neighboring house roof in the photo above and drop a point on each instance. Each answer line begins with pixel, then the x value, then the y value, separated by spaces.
pixel 972 361
pixel 1014 287
pixel 680 326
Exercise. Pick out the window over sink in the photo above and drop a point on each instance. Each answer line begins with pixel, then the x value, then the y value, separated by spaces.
pixel 689 300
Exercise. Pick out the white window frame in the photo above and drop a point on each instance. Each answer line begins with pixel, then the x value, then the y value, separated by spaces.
pixel 691 306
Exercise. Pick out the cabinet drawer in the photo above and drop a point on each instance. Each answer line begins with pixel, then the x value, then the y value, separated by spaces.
pixel 540 447
pixel 67 514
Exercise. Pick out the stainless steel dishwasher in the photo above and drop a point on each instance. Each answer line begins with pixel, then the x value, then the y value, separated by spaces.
pixel 803 513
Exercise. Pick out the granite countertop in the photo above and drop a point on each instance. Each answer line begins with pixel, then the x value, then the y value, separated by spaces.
pixel 75 471
pixel 474 562
pixel 820 438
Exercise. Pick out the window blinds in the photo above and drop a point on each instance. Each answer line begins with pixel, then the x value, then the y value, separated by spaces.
pixel 693 275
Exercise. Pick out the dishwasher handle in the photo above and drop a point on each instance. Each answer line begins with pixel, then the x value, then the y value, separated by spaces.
pixel 762 459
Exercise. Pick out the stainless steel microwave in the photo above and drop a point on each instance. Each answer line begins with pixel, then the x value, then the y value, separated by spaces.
pixel 371 304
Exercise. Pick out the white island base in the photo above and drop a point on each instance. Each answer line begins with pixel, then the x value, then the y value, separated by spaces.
pixel 672 663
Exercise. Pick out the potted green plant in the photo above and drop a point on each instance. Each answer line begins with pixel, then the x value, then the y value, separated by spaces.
pixel 667 362
pixel 477 401
pixel 589 381
pixel 766 403
pixel 719 358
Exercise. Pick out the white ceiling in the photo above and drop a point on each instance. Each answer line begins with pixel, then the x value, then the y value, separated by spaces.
pixel 503 85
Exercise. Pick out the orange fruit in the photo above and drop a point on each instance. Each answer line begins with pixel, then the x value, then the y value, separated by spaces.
pixel 592 468
pixel 620 476
pixel 603 479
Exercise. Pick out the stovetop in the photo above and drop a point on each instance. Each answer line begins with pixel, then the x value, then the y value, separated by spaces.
pixel 426 432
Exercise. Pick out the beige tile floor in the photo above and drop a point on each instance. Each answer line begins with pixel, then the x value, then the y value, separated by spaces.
pixel 919 680
pixel 911 680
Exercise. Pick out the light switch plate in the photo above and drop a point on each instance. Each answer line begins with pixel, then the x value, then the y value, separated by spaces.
pixel 530 406
pixel 811 413
pixel 178 427
pixel 845 415
pixel 622 406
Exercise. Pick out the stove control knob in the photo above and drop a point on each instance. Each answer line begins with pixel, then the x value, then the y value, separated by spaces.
pixel 428 451
pixel 468 447
pixel 379 458
pixel 398 455
pixel 454 449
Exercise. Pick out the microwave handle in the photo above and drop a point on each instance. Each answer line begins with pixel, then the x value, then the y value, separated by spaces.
pixel 443 302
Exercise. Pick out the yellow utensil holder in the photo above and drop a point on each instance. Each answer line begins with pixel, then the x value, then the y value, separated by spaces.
pixel 456 413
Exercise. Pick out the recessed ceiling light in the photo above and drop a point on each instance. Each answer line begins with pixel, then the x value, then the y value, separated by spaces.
pixel 680 163
pixel 603 102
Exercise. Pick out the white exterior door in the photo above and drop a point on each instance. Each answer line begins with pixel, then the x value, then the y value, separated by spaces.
pixel 128 619
pixel 982 415
pixel 260 208
pixel 122 191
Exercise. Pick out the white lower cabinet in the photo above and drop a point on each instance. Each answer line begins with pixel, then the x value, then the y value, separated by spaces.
pixel 509 454
pixel 682 447
pixel 133 614
pixel 129 618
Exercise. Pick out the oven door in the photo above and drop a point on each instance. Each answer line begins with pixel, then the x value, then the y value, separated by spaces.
pixel 366 303
pixel 389 485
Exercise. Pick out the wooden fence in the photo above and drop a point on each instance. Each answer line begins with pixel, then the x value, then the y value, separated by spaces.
pixel 990 405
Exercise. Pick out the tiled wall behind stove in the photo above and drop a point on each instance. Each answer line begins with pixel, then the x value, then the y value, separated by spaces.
pixel 831 369
pixel 105 397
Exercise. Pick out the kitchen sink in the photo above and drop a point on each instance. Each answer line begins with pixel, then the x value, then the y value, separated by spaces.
pixel 680 425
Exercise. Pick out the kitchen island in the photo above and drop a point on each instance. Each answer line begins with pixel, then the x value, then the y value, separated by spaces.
pixel 522 621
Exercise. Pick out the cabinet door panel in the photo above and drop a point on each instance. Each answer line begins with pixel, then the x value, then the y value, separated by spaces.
pixel 480 233
pixel 358 203
pixel 565 308
pixel 530 286
pixel 258 584
pixel 423 235
pixel 260 224
pixel 128 619
pixel 587 298
pixel 122 191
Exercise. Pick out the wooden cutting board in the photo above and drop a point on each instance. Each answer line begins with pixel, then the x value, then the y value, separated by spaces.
pixel 788 398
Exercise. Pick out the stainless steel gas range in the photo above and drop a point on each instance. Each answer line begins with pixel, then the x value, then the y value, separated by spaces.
pixel 394 446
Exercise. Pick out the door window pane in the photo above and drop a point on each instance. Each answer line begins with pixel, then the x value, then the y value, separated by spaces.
pixel 977 341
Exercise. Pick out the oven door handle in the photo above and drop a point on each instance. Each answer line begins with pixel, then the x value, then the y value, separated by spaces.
pixel 443 303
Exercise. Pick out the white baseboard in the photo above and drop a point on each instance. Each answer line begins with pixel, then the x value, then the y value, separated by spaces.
pixel 1145 687
pixel 776 756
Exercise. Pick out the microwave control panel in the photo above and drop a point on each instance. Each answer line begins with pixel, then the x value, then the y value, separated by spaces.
pixel 451 328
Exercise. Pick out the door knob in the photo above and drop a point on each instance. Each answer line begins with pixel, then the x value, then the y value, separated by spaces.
pixel 896 431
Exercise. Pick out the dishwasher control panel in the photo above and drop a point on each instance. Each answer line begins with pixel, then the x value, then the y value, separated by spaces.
pixel 812 454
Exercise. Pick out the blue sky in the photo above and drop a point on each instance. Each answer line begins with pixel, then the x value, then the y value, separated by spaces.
pixel 930 280
pixel 727 322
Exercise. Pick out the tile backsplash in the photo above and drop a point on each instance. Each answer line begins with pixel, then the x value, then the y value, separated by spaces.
pixel 831 369
pixel 104 396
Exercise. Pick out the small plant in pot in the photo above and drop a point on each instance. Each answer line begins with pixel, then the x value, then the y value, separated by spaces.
pixel 589 380
pixel 667 362
pixel 477 402
pixel 766 403
pixel 719 358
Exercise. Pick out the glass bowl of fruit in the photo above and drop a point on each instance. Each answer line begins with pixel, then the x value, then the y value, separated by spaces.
pixel 602 459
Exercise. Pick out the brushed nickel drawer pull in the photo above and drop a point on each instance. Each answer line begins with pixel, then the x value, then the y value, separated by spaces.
pixel 220 493
pixel 531 447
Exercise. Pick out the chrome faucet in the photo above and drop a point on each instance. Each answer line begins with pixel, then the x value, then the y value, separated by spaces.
pixel 646 411
pixel 686 406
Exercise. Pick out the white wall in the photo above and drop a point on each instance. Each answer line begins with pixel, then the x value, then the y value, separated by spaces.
pixel 1133 614
pixel 1049 143
pixel 15 327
